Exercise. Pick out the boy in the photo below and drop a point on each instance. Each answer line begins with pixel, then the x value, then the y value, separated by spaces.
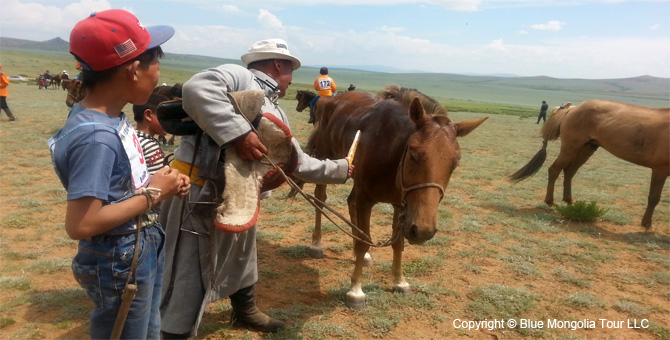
pixel 148 126
pixel 96 156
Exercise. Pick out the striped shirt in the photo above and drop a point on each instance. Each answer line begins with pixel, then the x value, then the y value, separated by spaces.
pixel 152 152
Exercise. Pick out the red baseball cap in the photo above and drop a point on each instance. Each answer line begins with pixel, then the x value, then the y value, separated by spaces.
pixel 110 38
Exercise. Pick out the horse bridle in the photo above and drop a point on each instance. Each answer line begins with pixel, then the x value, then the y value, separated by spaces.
pixel 406 190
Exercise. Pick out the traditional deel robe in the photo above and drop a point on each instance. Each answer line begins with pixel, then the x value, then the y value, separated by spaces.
pixel 203 263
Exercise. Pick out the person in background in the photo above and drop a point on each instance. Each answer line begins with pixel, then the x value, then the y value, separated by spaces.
pixel 4 82
pixel 543 112
pixel 205 264
pixel 78 68
pixel 147 127
pixel 324 84
pixel 109 190
pixel 352 87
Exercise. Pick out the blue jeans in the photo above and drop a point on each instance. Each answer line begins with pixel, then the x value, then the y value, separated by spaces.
pixel 101 267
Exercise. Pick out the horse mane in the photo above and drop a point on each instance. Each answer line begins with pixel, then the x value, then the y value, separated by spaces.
pixel 405 95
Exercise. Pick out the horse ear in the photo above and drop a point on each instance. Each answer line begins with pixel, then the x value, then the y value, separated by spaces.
pixel 417 113
pixel 464 128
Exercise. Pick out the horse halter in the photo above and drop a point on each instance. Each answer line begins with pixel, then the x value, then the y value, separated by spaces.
pixel 406 190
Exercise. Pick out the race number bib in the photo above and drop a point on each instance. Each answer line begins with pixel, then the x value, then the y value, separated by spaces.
pixel 134 151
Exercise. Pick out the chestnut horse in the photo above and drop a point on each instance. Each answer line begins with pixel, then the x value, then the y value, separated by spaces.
pixel 74 93
pixel 405 157
pixel 636 134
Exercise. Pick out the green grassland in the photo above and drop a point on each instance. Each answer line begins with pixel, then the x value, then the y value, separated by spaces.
pixel 519 96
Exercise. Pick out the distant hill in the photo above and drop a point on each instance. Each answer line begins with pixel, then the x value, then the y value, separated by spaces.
pixel 503 88
pixel 55 44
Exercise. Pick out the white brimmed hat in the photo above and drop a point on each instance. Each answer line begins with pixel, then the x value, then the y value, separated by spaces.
pixel 269 49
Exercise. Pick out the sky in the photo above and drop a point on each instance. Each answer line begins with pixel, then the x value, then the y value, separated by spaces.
pixel 587 39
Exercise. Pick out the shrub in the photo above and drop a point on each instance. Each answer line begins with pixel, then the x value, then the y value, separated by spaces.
pixel 581 211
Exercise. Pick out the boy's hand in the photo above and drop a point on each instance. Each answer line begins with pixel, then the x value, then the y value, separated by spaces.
pixel 171 183
pixel 185 186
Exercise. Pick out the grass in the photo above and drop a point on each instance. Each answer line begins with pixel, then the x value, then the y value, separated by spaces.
pixel 500 302
pixel 581 211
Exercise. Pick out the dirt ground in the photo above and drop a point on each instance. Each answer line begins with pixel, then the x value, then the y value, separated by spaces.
pixel 620 272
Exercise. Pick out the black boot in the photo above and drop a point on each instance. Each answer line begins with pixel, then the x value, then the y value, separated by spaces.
pixel 246 312
pixel 167 335
pixel 9 114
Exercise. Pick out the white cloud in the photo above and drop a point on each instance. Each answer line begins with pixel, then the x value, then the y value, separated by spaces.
pixel 655 27
pixel 497 45
pixel 553 25
pixel 269 20
pixel 44 20
pixel 230 9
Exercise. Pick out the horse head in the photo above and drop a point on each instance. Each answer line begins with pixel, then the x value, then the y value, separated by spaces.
pixel 74 93
pixel 431 156
pixel 304 98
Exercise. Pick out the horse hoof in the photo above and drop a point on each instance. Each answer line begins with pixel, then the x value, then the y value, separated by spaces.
pixel 402 289
pixel 355 302
pixel 315 253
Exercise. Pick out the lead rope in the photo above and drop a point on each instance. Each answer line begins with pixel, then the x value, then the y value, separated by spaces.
pixel 319 205
pixel 130 290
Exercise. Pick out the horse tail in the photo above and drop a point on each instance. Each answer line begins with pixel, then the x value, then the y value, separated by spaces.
pixel 551 130
pixel 532 167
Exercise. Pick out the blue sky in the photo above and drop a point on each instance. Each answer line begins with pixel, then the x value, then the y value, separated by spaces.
pixel 591 39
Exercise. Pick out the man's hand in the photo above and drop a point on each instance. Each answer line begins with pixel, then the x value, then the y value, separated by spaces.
pixel 250 147
pixel 351 168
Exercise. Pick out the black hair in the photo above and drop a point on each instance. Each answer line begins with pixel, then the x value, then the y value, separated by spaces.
pixel 323 70
pixel 90 78
pixel 151 104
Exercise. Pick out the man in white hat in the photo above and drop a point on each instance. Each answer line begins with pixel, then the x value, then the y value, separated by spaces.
pixel 205 264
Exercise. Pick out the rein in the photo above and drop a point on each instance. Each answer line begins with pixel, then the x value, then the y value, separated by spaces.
pixel 319 205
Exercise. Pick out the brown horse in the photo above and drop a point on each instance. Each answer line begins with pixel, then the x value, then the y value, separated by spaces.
pixel 636 134
pixel 65 83
pixel 74 93
pixel 420 152
pixel 305 99
pixel 55 81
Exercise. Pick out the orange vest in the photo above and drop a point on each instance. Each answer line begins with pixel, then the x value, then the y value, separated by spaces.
pixel 325 85
pixel 4 81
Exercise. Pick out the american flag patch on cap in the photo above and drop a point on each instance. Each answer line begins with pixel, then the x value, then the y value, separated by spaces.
pixel 125 49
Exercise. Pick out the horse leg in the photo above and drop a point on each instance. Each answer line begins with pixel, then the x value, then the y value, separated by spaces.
pixel 569 172
pixel 564 159
pixel 658 177
pixel 400 285
pixel 315 249
pixel 360 215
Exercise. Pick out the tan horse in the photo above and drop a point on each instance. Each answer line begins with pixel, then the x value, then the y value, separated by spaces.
pixel 636 134
pixel 406 156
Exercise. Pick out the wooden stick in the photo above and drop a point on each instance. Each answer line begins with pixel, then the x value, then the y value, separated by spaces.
pixel 352 149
